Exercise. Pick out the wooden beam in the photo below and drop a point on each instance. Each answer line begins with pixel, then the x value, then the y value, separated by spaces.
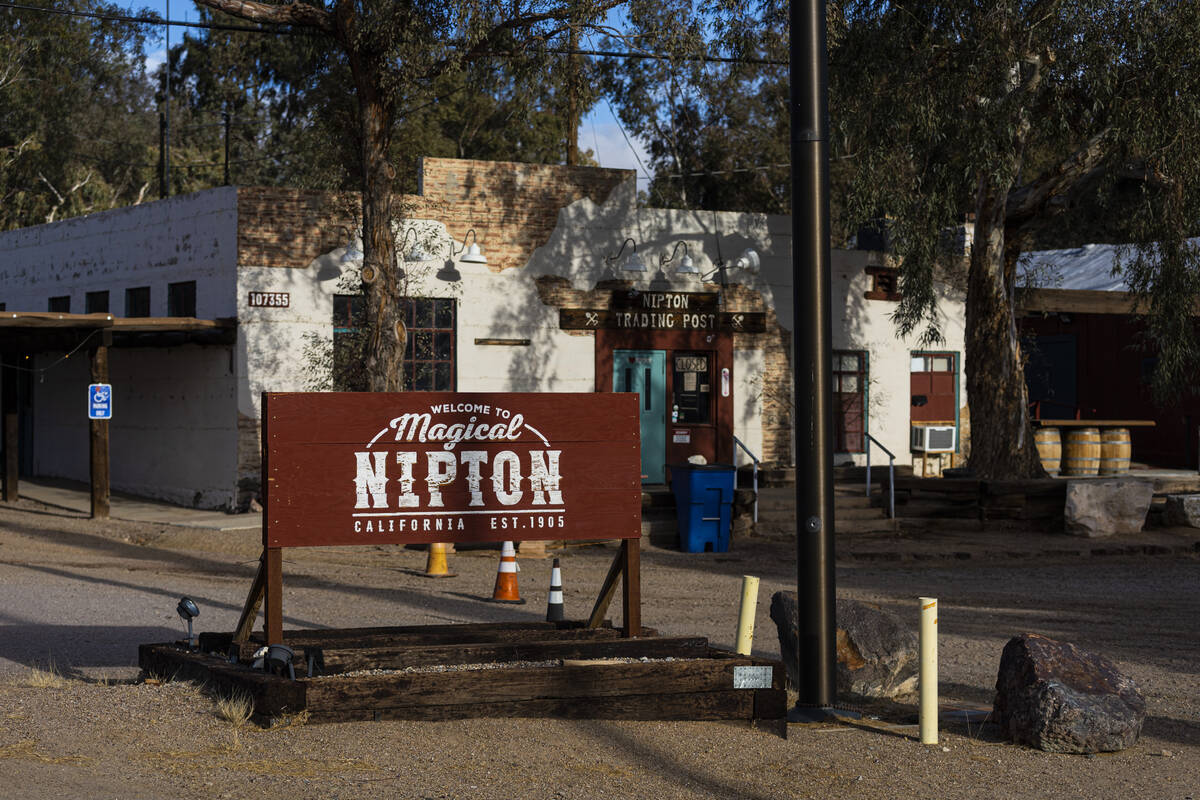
pixel 631 596
pixel 332 661
pixel 254 600
pixel 98 437
pixel 607 590
pixel 12 428
pixel 1076 301
pixel 273 595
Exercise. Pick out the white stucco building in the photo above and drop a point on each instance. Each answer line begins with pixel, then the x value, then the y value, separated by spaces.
pixel 553 309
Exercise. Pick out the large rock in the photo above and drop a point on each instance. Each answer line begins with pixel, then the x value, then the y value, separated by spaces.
pixel 876 654
pixel 1183 510
pixel 1105 507
pixel 1055 697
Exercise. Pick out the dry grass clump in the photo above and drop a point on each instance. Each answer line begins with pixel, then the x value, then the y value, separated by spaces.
pixel 235 708
pixel 48 678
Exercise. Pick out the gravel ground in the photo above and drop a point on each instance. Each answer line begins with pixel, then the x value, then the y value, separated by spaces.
pixel 80 596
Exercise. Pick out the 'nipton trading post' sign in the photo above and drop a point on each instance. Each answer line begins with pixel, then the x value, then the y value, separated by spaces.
pixel 373 468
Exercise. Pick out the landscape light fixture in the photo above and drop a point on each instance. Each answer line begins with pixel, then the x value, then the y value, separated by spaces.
pixel 188 610
pixel 686 265
pixel 279 659
pixel 633 262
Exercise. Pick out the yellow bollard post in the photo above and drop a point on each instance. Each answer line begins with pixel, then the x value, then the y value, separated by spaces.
pixel 435 564
pixel 928 716
pixel 745 631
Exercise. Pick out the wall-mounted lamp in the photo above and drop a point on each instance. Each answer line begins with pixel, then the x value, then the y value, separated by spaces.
pixel 633 262
pixel 472 254
pixel 188 610
pixel 417 254
pixel 352 251
pixel 685 267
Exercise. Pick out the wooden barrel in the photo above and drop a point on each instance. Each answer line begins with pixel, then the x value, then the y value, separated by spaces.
pixel 1081 453
pixel 1049 447
pixel 1115 448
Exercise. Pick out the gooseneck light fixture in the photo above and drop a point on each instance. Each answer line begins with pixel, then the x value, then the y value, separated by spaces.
pixel 473 254
pixel 418 253
pixel 685 267
pixel 633 262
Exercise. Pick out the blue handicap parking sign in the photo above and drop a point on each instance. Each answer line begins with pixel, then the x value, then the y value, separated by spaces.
pixel 99 401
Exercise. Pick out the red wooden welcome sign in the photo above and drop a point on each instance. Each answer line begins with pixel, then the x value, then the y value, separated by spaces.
pixel 374 468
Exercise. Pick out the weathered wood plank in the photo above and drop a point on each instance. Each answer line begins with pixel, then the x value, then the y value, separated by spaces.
pixel 722 705
pixel 332 661
pixel 494 633
pixel 512 684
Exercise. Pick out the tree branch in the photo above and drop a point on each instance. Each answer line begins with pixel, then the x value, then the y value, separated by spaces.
pixel 1029 200
pixel 295 13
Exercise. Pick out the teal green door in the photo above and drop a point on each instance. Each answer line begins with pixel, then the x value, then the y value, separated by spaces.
pixel 645 372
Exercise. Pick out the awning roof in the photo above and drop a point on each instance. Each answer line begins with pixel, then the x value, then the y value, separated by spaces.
pixel 34 331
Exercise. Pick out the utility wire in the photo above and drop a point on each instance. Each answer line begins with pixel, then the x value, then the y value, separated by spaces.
pixel 302 31
pixel 759 168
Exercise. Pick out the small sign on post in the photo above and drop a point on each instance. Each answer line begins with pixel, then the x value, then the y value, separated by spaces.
pixel 99 401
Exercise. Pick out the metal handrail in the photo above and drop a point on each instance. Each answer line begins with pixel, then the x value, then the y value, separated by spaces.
pixel 891 473
pixel 753 458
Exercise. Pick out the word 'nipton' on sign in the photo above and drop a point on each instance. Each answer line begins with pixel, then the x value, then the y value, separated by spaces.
pixel 442 470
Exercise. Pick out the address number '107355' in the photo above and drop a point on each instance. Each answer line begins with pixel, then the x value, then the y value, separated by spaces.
pixel 270 299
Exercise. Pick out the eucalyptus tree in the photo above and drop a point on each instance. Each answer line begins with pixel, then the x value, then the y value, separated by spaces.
pixel 1049 120
pixel 394 52
pixel 77 131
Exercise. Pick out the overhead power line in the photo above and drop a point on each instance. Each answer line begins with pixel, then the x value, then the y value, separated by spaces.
pixel 301 31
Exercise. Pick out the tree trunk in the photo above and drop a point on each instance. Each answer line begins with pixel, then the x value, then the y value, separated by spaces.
pixel 1002 444
pixel 384 343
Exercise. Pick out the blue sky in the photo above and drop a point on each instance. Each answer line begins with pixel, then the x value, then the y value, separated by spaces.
pixel 599 130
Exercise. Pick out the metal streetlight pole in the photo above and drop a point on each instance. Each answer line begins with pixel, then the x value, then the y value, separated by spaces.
pixel 812 360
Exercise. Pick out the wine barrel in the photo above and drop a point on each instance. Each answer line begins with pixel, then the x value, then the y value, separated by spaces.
pixel 1049 447
pixel 1081 453
pixel 1115 448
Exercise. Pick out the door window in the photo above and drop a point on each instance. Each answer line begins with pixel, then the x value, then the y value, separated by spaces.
pixel 692 404
pixel 849 393
pixel 934 381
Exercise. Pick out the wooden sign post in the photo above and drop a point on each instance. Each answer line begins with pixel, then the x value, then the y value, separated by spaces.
pixel 424 467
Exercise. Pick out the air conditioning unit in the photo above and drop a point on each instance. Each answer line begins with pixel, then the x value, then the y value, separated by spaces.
pixel 932 439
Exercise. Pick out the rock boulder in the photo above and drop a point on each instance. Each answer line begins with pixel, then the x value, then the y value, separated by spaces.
pixel 1096 508
pixel 1183 510
pixel 876 654
pixel 1055 697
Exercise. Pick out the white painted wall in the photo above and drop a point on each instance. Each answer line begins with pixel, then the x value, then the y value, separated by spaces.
pixel 189 237
pixel 173 434
pixel 861 324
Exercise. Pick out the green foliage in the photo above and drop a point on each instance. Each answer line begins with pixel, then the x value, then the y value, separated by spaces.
pixel 74 114
pixel 1083 114
pixel 716 133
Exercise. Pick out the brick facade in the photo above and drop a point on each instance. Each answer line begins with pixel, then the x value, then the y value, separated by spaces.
pixel 513 208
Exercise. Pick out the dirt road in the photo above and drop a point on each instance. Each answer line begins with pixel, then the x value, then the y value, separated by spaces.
pixel 82 596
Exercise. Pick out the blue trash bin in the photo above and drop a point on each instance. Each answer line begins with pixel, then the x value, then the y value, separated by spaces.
pixel 703 505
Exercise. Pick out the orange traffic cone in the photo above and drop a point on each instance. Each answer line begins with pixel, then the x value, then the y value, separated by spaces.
pixel 506 577
pixel 435 565
pixel 554 604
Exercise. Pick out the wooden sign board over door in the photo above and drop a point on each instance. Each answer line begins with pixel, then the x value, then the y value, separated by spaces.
pixel 373 468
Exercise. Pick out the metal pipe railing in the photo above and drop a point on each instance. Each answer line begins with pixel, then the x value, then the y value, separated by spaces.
pixel 753 458
pixel 891 473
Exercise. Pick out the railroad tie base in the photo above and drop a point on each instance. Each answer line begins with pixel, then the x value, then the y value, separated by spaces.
pixel 440 672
